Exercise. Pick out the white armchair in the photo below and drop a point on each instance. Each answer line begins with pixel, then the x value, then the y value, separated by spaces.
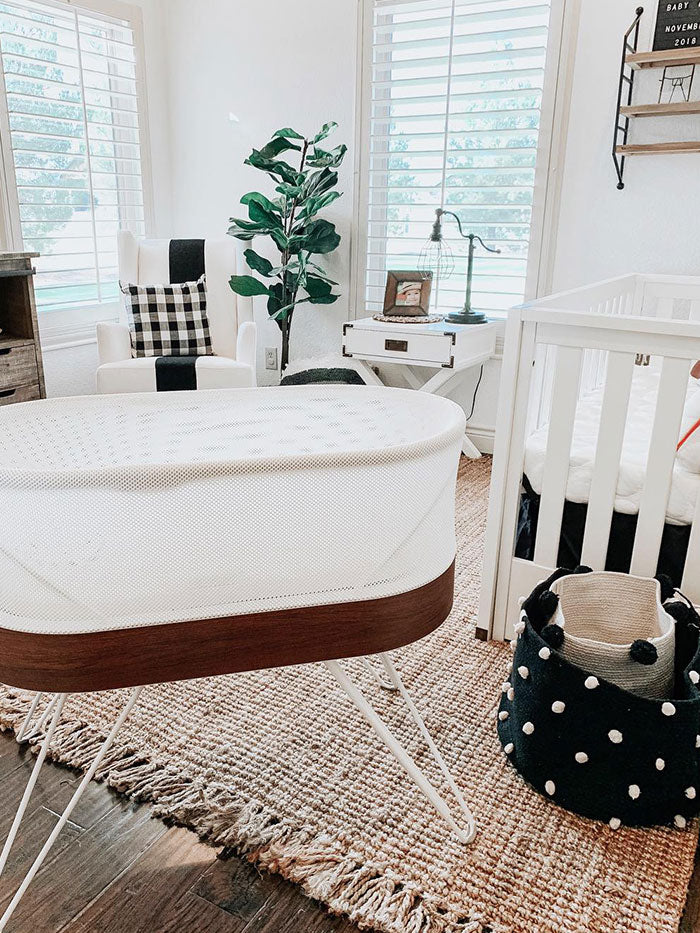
pixel 233 332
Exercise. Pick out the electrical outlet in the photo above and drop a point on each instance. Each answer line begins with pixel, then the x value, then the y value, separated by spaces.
pixel 270 357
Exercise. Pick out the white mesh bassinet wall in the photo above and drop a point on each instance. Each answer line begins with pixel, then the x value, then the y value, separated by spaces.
pixel 132 510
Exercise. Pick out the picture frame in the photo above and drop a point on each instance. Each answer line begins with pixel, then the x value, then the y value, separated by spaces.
pixel 407 292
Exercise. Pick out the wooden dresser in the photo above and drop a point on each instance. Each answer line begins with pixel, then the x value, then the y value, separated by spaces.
pixel 21 369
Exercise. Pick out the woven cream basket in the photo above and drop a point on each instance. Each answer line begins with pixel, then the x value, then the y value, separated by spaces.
pixel 603 614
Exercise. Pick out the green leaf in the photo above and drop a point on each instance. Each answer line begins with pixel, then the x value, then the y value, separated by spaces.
pixel 321 237
pixel 323 299
pixel 276 147
pixel 239 234
pixel 320 181
pixel 320 158
pixel 325 130
pixel 258 263
pixel 281 240
pixel 316 203
pixel 260 215
pixel 247 286
pixel 288 133
pixel 289 191
pixel 317 288
pixel 274 167
pixel 257 198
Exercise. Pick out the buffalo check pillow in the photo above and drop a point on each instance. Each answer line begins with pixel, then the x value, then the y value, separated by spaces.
pixel 168 320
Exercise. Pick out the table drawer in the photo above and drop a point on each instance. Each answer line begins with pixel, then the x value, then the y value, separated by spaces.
pixel 435 349
pixel 20 394
pixel 18 366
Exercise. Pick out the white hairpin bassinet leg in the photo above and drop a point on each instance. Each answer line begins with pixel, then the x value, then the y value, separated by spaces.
pixel 57 704
pixel 20 737
pixel 384 684
pixel 398 751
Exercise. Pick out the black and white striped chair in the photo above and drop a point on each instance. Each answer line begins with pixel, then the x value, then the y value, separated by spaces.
pixel 233 333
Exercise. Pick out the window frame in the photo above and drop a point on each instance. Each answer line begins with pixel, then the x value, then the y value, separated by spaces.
pixel 75 326
pixel 554 116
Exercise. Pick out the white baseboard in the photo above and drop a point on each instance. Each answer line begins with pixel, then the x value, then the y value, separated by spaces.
pixel 482 436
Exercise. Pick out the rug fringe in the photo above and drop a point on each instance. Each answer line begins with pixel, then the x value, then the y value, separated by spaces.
pixel 371 896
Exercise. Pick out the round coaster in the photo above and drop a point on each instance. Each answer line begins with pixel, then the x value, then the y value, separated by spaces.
pixel 412 319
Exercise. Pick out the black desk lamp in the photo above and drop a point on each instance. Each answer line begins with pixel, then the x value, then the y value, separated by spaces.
pixel 436 256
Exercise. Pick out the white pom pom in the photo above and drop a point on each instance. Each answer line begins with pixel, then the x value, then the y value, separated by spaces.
pixel 550 787
pixel 581 758
pixel 690 793
pixel 545 653
pixel 680 821
pixel 634 791
pixel 508 748
pixel 615 736
pixel 505 687
pixel 558 706
pixel 660 764
pixel 514 645
pixel 521 600
pixel 668 709
pixel 528 728
pixel 694 676
pixel 697 741
pixel 524 672
pixel 519 627
pixel 511 694
pixel 590 683
pixel 503 715
pixel 615 823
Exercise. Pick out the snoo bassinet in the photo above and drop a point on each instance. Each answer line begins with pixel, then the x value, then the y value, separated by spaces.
pixel 601 710
pixel 160 537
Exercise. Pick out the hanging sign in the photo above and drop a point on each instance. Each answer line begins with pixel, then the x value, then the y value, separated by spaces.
pixel 677 25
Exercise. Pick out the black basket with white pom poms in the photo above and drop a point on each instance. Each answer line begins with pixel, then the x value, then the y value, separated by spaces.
pixel 591 745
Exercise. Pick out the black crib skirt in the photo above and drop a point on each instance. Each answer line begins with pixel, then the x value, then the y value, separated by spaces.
pixel 674 542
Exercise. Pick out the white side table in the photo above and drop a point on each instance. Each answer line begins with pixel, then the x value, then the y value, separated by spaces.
pixel 452 349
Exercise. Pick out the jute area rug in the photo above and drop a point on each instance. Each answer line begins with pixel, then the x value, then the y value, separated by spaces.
pixel 279 766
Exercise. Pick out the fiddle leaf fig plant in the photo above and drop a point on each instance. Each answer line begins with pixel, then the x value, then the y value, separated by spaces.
pixel 291 221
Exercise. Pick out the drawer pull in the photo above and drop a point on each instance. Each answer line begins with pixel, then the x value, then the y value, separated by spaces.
pixel 398 346
pixel 7 393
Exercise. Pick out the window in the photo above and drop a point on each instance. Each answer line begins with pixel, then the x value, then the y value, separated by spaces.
pixel 456 99
pixel 70 111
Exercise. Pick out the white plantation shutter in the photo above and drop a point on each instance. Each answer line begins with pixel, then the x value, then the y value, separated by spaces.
pixel 72 106
pixel 456 98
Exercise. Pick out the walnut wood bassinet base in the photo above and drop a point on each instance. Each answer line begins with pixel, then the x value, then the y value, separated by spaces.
pixel 204 648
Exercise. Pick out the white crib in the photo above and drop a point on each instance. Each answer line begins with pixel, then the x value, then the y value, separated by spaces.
pixel 557 350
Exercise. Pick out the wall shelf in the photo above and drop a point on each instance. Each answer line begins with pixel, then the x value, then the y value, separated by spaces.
pixel 632 60
pixel 665 59
pixel 678 108
pixel 656 148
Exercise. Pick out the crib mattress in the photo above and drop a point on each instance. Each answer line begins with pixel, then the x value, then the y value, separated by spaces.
pixel 127 511
pixel 633 463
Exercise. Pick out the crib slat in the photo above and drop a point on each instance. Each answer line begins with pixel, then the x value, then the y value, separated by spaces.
pixel 556 465
pixel 662 455
pixel 691 572
pixel 665 308
pixel 611 433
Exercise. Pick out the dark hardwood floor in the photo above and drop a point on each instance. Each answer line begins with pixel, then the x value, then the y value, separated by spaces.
pixel 115 869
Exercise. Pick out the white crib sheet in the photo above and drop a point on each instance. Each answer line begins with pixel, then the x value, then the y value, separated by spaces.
pixel 130 510
pixel 640 420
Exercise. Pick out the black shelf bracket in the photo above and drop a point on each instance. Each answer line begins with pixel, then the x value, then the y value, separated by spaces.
pixel 624 93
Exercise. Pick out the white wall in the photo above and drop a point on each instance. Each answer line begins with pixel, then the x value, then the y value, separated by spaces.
pixel 653 225
pixel 271 64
